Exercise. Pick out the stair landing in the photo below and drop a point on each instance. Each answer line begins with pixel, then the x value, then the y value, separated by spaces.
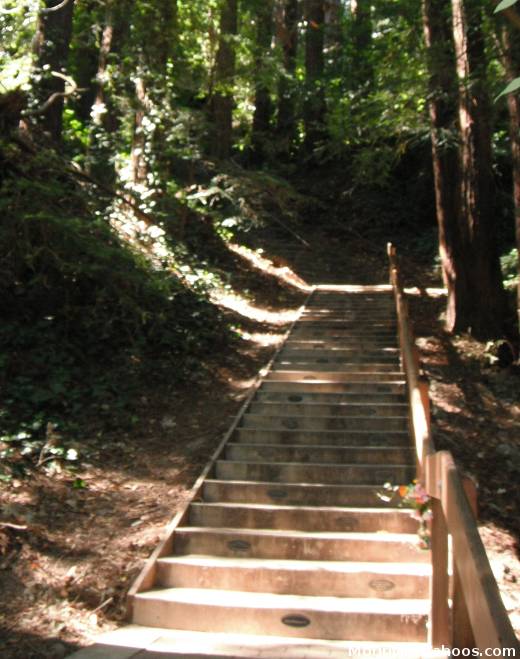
pixel 286 549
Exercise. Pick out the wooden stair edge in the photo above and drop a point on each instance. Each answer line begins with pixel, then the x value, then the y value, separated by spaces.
pixel 146 577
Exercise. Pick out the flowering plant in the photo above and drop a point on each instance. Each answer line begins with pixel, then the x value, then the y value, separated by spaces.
pixel 413 496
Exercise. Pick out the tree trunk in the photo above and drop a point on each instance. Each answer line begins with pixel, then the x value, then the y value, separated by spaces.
pixel 263 106
pixel 138 162
pixel 512 65
pixel 287 33
pixel 487 305
pixel 314 106
pixel 222 101
pixel 443 122
pixel 362 65
pixel 51 46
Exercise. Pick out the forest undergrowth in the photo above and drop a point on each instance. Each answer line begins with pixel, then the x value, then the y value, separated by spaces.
pixel 130 338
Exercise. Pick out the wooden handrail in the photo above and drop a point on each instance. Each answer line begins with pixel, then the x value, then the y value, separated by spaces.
pixel 477 616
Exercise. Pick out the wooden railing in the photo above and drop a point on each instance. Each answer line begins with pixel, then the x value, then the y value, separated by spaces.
pixel 466 608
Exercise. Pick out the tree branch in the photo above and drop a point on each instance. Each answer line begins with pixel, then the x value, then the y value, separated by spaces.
pixel 49 10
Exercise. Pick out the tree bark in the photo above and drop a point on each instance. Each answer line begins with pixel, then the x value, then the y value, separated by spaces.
pixel 314 105
pixel 487 305
pixel 263 106
pixel 361 34
pixel 287 33
pixel 222 101
pixel 511 57
pixel 443 122
pixel 51 47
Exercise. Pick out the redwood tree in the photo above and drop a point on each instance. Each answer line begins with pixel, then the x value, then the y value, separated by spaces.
pixel 314 103
pixel 287 35
pixel 51 47
pixel 486 302
pixel 222 100
pixel 443 121
pixel 511 58
pixel 263 106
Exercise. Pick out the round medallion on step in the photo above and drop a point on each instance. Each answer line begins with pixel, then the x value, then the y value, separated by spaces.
pixel 346 523
pixel 381 585
pixel 295 399
pixel 277 494
pixel 290 424
pixel 239 545
pixel 296 620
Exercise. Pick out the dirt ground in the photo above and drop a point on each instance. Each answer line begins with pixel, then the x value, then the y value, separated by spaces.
pixel 68 556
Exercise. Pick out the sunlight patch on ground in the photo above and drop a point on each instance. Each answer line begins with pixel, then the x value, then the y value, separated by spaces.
pixel 260 262
pixel 261 315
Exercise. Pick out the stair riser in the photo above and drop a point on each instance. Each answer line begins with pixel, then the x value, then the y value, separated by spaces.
pixel 293 494
pixel 325 423
pixel 301 386
pixel 325 581
pixel 310 409
pixel 215 542
pixel 321 455
pixel 344 357
pixel 345 367
pixel 322 438
pixel 333 521
pixel 332 376
pixel 324 624
pixel 330 399
pixel 312 473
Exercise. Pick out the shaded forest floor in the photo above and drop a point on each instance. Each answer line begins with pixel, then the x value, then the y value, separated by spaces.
pixel 68 555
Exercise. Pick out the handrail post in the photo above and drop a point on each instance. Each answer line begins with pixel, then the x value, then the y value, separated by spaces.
pixel 440 627
pixel 463 636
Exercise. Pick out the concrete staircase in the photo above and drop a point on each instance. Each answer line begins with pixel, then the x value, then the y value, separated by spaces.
pixel 287 550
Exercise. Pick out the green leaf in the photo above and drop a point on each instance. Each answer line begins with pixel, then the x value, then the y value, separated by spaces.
pixel 505 4
pixel 511 87
pixel 79 484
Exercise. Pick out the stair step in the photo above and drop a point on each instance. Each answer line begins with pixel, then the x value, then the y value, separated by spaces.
pixel 265 613
pixel 265 396
pixel 345 438
pixel 140 642
pixel 310 408
pixel 300 422
pixel 334 376
pixel 299 545
pixel 328 578
pixel 324 454
pixel 301 518
pixel 330 365
pixel 292 493
pixel 293 472
pixel 299 385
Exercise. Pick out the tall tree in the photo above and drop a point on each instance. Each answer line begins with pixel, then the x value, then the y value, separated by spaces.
pixel 442 103
pixel 314 103
pixel 361 34
pixel 222 100
pixel 263 105
pixel 486 307
pixel 51 47
pixel 511 58
pixel 287 33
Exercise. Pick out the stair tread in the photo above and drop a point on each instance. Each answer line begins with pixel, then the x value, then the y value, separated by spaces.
pixel 333 509
pixel 135 641
pixel 348 567
pixel 247 600
pixel 379 536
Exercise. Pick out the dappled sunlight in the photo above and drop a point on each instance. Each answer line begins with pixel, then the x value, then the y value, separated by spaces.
pixel 260 262
pixel 243 307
